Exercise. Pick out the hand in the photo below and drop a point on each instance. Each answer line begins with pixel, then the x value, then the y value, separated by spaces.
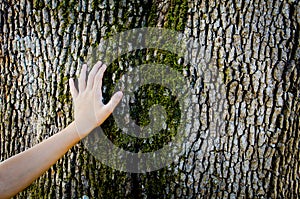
pixel 89 109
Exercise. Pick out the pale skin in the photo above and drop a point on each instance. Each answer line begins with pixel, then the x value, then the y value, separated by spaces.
pixel 19 171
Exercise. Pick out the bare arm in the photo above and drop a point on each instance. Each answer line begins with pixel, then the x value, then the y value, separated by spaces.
pixel 19 171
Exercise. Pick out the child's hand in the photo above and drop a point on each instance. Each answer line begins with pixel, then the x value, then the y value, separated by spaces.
pixel 90 111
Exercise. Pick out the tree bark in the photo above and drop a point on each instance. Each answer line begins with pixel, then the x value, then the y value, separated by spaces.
pixel 254 46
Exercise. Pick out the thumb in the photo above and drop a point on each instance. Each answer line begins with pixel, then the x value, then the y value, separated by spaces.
pixel 114 101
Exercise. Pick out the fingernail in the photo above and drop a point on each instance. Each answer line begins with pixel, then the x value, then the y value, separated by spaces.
pixel 120 93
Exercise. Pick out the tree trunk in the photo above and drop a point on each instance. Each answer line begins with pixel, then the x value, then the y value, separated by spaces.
pixel 253 46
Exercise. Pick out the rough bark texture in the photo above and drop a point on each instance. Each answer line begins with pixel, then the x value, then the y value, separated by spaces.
pixel 253 44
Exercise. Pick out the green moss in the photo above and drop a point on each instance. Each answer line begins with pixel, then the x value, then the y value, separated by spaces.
pixel 177 15
pixel 146 97
pixel 67 8
pixel 37 4
pixel 108 183
pixel 152 19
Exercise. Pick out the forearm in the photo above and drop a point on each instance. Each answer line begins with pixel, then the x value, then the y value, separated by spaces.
pixel 19 171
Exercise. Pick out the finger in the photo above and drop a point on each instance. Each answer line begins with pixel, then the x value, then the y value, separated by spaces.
pixel 98 82
pixel 82 78
pixel 73 89
pixel 114 101
pixel 92 75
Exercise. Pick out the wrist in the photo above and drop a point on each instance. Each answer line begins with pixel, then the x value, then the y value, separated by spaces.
pixel 82 130
pixel 72 130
